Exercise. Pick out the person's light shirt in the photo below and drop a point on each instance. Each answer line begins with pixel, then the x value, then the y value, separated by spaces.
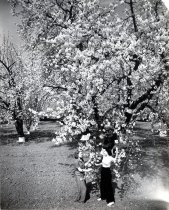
pixel 107 160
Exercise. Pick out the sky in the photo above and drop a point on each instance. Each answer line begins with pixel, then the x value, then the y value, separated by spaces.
pixel 8 23
pixel 166 2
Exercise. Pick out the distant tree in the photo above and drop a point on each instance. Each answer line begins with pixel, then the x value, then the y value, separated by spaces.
pixel 11 85
pixel 150 25
pixel 20 86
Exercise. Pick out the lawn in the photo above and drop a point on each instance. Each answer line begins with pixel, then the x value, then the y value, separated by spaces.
pixel 38 175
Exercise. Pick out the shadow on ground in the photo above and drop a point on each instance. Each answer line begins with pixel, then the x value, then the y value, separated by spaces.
pixel 45 132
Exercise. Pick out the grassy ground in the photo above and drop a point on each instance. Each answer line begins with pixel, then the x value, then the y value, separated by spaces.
pixel 38 175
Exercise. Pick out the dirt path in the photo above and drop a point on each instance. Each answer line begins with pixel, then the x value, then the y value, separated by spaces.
pixel 38 176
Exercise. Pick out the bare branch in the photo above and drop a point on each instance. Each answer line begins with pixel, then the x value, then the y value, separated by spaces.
pixel 11 65
pixel 4 104
pixel 56 87
pixel 6 67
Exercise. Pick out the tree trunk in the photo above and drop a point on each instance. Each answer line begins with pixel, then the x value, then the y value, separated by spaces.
pixel 96 112
pixel 133 16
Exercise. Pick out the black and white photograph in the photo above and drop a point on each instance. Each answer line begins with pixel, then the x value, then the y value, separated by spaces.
pixel 84 104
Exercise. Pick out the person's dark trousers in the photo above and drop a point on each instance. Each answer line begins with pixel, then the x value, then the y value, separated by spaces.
pixel 106 189
pixel 81 185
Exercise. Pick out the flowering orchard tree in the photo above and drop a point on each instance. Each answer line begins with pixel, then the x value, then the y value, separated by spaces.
pixel 34 95
pixel 152 29
pixel 104 66
pixel 20 87
pixel 11 78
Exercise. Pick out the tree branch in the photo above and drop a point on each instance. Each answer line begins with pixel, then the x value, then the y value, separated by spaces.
pixel 148 94
pixel 132 14
pixel 96 111
pixel 56 87
pixel 12 65
pixel 6 67
pixel 7 105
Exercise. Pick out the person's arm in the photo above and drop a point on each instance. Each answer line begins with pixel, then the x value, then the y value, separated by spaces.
pixel 84 170
pixel 101 152
pixel 98 164
pixel 113 159
pixel 88 162
pixel 117 151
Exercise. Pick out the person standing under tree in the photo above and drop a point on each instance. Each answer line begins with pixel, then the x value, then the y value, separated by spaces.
pixel 106 188
pixel 79 171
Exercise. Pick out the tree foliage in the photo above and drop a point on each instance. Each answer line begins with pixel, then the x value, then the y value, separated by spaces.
pixel 106 62
pixel 20 85
pixel 11 79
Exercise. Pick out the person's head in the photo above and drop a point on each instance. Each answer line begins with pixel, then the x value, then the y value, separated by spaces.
pixel 116 141
pixel 106 152
pixel 101 136
pixel 78 154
